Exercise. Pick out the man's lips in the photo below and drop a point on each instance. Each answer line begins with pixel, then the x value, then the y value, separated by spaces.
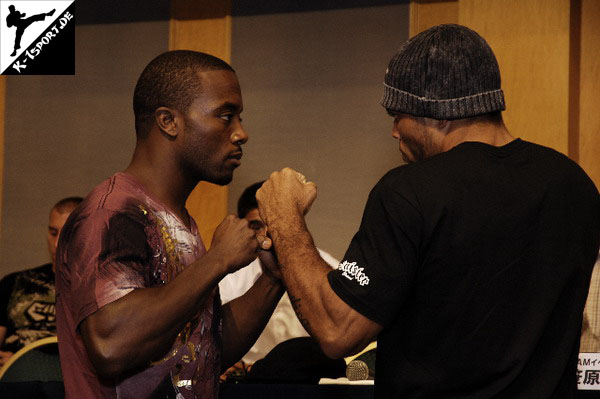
pixel 236 157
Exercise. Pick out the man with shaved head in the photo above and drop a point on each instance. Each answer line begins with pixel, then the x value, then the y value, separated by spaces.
pixel 138 310
pixel 27 299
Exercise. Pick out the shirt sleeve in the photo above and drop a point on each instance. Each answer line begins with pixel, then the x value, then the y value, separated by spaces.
pixel 107 256
pixel 378 269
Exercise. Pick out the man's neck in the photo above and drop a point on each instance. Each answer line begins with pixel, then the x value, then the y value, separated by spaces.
pixel 488 133
pixel 162 179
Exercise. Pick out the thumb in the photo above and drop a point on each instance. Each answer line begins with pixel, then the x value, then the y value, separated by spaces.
pixel 264 242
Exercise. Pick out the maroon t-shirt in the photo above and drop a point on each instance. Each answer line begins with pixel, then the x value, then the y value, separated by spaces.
pixel 118 240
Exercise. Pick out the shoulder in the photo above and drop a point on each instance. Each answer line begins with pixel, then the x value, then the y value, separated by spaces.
pixel 117 217
pixel 563 169
pixel 400 184
pixel 114 200
pixel 114 194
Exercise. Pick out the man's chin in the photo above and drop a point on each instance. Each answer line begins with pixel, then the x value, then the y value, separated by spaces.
pixel 221 180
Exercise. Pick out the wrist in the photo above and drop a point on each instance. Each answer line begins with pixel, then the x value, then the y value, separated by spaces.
pixel 216 262
pixel 285 225
pixel 272 280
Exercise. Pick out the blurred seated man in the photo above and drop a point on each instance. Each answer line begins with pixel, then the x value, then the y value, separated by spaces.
pixel 27 297
pixel 283 325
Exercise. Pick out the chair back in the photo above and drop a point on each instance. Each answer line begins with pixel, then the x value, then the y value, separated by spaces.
pixel 37 361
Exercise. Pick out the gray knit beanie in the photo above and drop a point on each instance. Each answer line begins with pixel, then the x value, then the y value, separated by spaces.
pixel 445 72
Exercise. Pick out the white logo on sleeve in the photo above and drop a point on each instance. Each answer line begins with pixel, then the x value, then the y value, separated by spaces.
pixel 352 272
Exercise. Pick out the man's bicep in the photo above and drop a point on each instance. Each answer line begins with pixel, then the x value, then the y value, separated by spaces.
pixel 106 331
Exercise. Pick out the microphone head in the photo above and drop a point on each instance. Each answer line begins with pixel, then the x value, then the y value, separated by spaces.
pixel 357 370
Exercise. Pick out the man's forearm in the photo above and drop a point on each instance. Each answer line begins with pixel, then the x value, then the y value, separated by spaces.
pixel 305 276
pixel 338 328
pixel 245 317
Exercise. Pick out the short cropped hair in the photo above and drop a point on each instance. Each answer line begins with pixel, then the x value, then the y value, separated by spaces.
pixel 170 80
pixel 494 118
pixel 247 201
pixel 67 204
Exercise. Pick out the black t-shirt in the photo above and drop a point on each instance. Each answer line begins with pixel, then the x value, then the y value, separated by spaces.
pixel 477 263
pixel 27 307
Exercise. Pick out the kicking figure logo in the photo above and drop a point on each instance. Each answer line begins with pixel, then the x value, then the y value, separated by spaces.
pixel 18 20
pixel 37 37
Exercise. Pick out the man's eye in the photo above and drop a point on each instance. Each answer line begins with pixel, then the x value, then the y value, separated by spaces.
pixel 226 117
pixel 256 226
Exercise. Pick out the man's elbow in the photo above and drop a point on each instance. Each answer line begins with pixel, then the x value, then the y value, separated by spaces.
pixel 336 346
pixel 106 362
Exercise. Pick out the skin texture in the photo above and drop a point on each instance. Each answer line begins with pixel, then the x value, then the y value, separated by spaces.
pixel 181 149
pixel 56 221
pixel 285 198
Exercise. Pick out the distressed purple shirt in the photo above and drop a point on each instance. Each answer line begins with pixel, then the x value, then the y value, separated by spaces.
pixel 118 240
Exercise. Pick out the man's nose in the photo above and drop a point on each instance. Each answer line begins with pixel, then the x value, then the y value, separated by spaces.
pixel 239 136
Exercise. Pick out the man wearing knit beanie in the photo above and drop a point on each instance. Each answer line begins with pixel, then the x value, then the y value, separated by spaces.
pixel 472 263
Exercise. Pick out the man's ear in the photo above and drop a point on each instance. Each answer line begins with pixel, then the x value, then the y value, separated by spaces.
pixel 167 121
pixel 439 124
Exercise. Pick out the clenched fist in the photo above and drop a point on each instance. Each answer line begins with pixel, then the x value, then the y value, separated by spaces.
pixel 235 243
pixel 285 195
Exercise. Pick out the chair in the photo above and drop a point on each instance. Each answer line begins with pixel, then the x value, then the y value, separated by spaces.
pixel 33 372
pixel 37 361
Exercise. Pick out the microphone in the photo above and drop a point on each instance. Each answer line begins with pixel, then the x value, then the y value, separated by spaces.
pixel 362 367
pixel 357 370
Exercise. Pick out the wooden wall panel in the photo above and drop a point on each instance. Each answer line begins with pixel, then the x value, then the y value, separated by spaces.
pixel 426 13
pixel 205 26
pixel 589 85
pixel 531 41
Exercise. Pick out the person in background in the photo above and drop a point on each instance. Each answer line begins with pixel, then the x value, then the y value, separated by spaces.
pixel 27 299
pixel 283 324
